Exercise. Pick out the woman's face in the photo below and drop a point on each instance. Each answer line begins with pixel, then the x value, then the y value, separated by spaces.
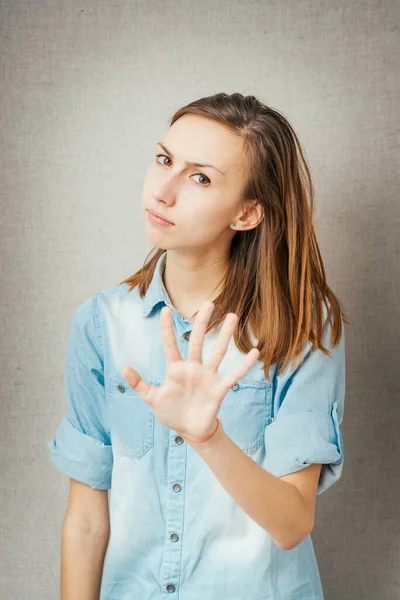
pixel 202 202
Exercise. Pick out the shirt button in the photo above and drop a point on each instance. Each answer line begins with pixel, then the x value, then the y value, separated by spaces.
pixel 170 587
pixel 121 388
pixel 235 386
pixel 179 440
pixel 176 487
pixel 186 335
pixel 173 537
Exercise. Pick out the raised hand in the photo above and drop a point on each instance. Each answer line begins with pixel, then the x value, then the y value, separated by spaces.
pixel 191 395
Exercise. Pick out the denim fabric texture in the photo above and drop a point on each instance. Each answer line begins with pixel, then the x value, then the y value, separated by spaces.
pixel 175 531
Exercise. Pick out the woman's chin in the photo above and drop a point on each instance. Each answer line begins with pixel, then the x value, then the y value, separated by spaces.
pixel 156 239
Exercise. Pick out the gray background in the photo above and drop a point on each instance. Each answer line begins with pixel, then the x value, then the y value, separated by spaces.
pixel 87 90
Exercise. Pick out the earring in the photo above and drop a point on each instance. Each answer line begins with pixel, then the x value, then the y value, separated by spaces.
pixel 234 224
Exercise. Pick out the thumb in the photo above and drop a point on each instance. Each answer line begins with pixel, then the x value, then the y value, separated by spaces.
pixel 136 382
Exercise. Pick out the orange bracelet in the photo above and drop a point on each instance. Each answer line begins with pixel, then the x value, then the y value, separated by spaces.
pixel 205 439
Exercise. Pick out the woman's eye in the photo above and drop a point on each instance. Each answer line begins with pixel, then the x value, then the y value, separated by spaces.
pixel 202 175
pixel 195 175
pixel 157 155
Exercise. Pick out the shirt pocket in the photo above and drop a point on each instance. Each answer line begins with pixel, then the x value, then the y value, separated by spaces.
pixel 131 419
pixel 246 411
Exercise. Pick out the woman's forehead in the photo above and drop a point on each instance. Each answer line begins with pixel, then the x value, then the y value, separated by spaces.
pixel 200 140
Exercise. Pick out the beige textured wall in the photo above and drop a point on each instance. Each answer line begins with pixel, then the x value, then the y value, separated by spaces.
pixel 87 89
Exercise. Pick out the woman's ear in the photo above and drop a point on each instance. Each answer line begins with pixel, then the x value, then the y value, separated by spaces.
pixel 251 216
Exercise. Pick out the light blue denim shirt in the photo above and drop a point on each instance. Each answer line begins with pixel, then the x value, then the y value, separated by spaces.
pixel 175 531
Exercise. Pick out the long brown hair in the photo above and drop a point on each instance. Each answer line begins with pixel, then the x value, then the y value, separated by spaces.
pixel 278 263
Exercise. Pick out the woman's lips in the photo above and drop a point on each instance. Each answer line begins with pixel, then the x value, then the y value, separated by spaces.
pixel 157 220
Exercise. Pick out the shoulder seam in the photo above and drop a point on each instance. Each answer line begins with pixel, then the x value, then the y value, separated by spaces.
pixel 96 319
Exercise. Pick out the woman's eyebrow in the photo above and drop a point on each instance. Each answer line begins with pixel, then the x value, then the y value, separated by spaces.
pixel 189 163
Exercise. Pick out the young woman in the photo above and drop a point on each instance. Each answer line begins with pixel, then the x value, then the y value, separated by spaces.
pixel 207 390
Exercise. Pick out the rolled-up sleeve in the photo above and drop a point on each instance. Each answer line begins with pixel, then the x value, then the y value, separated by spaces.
pixel 81 447
pixel 309 407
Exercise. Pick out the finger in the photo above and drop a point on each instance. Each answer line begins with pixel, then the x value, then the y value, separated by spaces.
pixel 168 336
pixel 135 381
pixel 251 357
pixel 196 341
pixel 225 335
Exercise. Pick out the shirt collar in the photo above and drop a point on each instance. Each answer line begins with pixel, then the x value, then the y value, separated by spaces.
pixel 156 291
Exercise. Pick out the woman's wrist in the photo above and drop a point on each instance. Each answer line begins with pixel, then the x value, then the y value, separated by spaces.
pixel 206 438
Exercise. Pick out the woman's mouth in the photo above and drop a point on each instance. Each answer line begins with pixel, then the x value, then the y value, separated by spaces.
pixel 157 220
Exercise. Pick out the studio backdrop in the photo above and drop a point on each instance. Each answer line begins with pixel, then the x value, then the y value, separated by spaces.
pixel 87 91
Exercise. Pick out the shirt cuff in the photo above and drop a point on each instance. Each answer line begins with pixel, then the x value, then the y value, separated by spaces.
pixel 301 439
pixel 81 457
